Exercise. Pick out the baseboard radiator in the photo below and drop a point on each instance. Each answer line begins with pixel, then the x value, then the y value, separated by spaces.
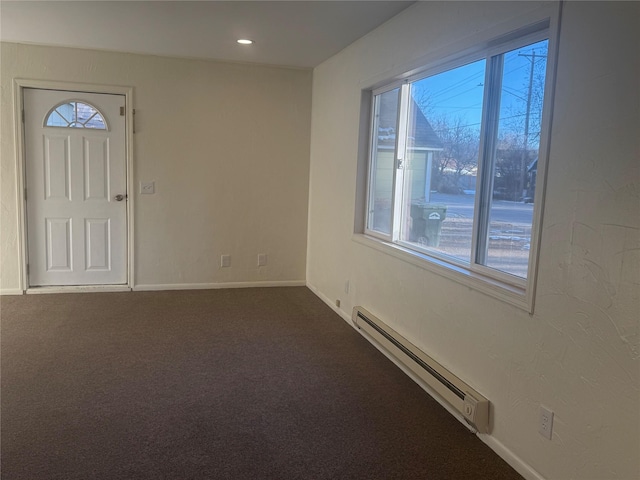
pixel 473 406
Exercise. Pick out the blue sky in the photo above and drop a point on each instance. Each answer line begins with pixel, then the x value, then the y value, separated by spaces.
pixel 459 92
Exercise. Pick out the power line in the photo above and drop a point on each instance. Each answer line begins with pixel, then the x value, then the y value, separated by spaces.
pixel 456 84
pixel 451 107
pixel 459 94
pixel 506 90
pixel 437 130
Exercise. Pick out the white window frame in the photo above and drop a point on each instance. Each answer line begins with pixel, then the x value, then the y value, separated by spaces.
pixel 98 113
pixel 510 288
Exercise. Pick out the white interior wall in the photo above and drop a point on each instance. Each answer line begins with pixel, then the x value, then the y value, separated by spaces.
pixel 227 146
pixel 578 353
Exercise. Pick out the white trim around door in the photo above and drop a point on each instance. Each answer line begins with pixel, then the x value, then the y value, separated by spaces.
pixel 19 137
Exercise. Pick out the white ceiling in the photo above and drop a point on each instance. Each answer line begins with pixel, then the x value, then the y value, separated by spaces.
pixel 291 33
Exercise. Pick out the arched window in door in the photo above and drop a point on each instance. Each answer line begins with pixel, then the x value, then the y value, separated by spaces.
pixel 75 114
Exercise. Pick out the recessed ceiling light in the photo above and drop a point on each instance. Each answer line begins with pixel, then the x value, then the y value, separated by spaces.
pixel 244 41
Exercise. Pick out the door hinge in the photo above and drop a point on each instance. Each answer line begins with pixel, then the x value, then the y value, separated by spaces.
pixel 27 269
pixel 25 194
pixel 23 115
pixel 133 117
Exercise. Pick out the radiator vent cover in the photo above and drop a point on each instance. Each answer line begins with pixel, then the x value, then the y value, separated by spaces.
pixel 473 406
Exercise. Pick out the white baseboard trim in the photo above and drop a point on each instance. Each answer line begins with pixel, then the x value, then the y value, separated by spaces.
pixel 346 316
pixel 494 444
pixel 215 286
pixel 151 287
pixel 11 291
pixel 511 458
pixel 78 289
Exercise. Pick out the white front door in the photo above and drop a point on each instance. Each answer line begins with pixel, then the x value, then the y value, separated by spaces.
pixel 76 188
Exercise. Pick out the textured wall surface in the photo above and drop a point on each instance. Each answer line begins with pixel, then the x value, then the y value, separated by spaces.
pixel 226 144
pixel 578 354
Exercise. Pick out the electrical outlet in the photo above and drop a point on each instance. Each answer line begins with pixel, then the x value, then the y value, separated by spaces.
pixel 545 422
pixel 338 303
pixel 262 259
pixel 225 260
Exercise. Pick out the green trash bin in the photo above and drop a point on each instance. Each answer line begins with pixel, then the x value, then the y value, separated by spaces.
pixel 426 223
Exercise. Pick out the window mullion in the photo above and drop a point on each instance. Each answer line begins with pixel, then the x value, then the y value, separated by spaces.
pixel 400 157
pixel 375 111
pixel 488 136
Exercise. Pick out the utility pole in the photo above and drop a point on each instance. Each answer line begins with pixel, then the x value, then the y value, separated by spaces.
pixel 525 149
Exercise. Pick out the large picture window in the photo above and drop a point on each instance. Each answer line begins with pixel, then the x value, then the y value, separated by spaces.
pixel 454 156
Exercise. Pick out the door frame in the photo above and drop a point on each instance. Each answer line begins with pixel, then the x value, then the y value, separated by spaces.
pixel 19 84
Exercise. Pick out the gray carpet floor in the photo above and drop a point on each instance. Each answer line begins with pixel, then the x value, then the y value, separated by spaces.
pixel 217 384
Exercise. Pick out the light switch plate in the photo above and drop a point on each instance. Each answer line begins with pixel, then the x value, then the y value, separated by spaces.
pixel 147 188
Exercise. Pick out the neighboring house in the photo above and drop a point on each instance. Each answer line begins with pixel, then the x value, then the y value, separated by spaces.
pixel 423 142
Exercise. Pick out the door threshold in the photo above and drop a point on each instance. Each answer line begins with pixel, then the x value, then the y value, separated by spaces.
pixel 78 289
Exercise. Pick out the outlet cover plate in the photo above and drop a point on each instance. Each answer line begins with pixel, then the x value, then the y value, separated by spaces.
pixel 545 422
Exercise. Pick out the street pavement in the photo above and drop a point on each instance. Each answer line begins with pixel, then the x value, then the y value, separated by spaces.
pixel 501 210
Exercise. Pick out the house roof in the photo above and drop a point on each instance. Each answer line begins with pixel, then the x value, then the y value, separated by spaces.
pixel 421 137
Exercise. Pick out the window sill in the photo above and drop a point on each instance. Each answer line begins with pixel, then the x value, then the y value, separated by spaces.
pixel 506 292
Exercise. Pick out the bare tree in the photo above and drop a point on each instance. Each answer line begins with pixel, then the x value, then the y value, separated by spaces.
pixel 459 155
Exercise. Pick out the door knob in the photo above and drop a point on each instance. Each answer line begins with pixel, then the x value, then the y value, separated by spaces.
pixel 119 197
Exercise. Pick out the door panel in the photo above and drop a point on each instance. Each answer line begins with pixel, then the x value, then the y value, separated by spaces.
pixel 96 169
pixel 58 244
pixel 98 239
pixel 76 229
pixel 57 167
